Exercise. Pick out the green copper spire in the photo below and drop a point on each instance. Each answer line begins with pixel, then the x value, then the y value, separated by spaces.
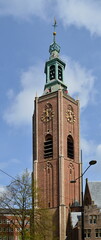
pixel 54 68
pixel 54 48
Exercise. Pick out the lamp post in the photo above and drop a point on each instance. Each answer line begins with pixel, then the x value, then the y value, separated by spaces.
pixel 92 162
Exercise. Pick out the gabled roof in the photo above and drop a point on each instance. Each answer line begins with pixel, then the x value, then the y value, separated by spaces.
pixel 92 193
pixel 95 191
pixel 87 195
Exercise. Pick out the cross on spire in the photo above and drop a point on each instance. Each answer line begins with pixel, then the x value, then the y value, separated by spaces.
pixel 54 48
pixel 54 33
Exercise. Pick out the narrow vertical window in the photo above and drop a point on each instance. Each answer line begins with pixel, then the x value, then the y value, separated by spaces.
pixel 48 146
pixel 52 72
pixel 94 219
pixel 59 73
pixel 70 147
pixel 96 233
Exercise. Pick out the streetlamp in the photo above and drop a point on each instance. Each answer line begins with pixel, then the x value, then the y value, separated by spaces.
pixel 92 162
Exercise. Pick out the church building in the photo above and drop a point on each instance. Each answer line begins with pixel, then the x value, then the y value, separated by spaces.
pixel 56 143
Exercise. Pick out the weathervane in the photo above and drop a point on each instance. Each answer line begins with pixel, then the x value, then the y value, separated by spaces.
pixel 54 48
pixel 54 33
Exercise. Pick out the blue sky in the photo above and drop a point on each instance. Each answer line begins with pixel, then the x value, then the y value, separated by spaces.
pixel 25 36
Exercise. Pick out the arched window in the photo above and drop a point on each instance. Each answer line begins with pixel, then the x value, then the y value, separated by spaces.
pixel 59 73
pixel 70 147
pixel 52 72
pixel 48 146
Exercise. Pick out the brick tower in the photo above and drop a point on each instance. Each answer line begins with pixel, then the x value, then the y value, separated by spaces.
pixel 56 142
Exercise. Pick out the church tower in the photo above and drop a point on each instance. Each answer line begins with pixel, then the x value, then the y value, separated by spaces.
pixel 56 142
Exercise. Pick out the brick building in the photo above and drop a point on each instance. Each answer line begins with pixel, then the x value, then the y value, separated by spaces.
pixel 9 226
pixel 92 214
pixel 92 210
pixel 56 150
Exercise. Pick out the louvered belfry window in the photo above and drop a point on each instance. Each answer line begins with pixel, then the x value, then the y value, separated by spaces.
pixel 70 147
pixel 48 146
pixel 52 72
pixel 59 73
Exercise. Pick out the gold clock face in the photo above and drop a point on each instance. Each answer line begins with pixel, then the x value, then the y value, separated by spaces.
pixel 47 114
pixel 70 115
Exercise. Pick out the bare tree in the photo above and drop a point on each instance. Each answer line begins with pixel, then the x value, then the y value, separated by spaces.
pixel 33 222
pixel 18 200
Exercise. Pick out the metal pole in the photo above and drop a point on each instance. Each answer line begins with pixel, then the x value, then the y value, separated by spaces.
pixel 8 231
pixel 82 222
pixel 92 162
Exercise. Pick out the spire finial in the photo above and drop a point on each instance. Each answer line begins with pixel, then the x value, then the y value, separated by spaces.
pixel 54 48
pixel 54 33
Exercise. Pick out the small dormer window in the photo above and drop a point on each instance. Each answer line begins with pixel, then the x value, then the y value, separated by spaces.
pixel 52 72
pixel 59 73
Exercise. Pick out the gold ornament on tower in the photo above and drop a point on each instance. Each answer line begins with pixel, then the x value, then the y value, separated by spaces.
pixel 70 115
pixel 48 113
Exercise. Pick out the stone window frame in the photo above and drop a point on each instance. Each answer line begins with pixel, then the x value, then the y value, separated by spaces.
pixel 93 219
pixel 98 232
pixel 87 233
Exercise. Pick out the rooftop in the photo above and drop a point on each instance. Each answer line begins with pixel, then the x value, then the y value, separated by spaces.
pixel 95 191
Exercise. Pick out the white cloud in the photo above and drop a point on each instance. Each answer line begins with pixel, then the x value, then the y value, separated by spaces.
pixel 81 13
pixel 97 169
pixel 88 147
pixel 10 93
pixel 91 151
pixel 24 8
pixel 98 151
pixel 2 190
pixel 80 82
pixel 20 110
